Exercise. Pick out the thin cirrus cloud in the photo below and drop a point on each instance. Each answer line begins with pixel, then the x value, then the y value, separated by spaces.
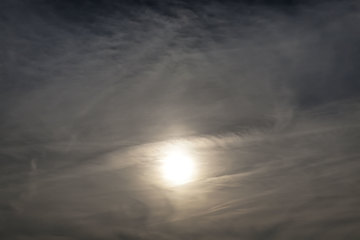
pixel 264 96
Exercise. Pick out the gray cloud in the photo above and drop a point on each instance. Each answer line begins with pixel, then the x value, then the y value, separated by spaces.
pixel 267 100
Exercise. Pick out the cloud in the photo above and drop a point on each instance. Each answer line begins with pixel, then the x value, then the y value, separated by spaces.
pixel 265 97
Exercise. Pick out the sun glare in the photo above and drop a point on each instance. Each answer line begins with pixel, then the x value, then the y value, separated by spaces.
pixel 177 165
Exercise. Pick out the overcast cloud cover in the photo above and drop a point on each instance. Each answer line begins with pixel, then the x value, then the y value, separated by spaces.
pixel 264 93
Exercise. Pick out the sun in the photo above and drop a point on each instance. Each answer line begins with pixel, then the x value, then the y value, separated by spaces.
pixel 177 165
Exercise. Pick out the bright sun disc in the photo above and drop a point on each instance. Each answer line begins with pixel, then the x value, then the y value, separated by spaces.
pixel 177 165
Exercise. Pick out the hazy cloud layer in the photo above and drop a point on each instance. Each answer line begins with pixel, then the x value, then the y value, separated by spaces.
pixel 266 96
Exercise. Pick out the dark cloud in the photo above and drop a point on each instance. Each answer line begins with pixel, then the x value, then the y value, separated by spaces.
pixel 263 93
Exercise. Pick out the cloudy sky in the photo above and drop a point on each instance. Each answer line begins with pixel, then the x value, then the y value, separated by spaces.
pixel 177 120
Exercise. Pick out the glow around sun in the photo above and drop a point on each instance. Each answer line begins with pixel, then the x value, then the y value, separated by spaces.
pixel 177 165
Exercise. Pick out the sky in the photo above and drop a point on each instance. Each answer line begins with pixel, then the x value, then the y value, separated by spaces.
pixel 177 120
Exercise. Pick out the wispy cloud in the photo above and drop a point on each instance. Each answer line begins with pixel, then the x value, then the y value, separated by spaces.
pixel 266 99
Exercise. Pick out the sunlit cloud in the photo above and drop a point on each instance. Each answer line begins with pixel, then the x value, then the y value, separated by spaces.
pixel 179 121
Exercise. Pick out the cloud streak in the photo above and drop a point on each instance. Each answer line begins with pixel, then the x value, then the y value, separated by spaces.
pixel 266 98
